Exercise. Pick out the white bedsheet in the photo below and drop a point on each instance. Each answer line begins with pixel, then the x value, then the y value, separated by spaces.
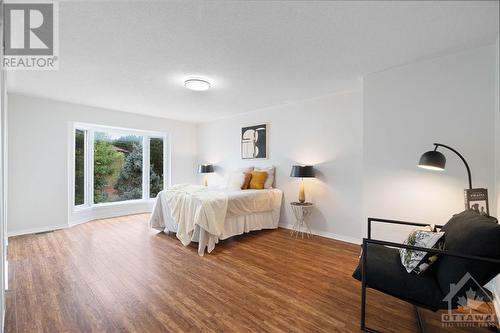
pixel 195 213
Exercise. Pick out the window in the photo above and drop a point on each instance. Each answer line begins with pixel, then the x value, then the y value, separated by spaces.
pixel 156 166
pixel 116 165
pixel 79 167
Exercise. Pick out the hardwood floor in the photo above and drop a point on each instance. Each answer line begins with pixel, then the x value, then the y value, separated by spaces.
pixel 117 275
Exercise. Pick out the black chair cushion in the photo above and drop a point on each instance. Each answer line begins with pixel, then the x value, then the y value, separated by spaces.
pixel 472 234
pixel 386 273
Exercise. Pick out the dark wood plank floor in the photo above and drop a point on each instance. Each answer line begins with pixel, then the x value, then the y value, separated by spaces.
pixel 117 275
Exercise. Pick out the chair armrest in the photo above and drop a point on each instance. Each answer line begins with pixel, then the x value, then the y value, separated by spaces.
pixel 374 219
pixel 428 250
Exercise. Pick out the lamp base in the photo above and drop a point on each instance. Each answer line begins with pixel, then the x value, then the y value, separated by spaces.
pixel 302 194
pixel 205 181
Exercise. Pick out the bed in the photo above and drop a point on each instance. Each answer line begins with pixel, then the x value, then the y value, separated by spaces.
pixel 206 215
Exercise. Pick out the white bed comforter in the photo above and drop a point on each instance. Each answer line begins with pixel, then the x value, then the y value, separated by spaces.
pixel 205 215
pixel 249 201
pixel 189 206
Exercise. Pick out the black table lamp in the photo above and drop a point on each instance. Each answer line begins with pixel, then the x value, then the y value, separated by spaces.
pixel 435 160
pixel 205 168
pixel 302 171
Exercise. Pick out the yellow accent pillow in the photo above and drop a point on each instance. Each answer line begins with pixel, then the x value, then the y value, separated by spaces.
pixel 258 180
pixel 246 183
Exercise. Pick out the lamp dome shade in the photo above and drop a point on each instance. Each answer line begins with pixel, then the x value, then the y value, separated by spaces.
pixel 302 171
pixel 432 160
pixel 205 168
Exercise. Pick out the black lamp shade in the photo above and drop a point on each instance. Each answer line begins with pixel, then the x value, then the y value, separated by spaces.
pixel 205 168
pixel 433 160
pixel 302 171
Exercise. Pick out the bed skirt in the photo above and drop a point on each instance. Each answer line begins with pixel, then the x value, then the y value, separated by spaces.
pixel 233 225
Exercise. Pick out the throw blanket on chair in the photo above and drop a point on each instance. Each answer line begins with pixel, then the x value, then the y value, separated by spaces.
pixel 191 206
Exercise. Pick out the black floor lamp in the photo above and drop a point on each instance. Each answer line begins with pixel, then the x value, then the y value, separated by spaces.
pixel 435 160
pixel 475 199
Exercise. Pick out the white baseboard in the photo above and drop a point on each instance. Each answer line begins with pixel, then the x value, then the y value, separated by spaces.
pixel 35 230
pixel 327 234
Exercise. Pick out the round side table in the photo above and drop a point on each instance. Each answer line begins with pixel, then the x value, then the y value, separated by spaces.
pixel 301 212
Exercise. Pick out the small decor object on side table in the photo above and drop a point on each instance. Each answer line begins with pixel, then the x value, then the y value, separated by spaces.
pixel 476 199
pixel 301 212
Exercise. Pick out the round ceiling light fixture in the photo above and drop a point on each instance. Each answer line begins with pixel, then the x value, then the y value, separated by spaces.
pixel 197 84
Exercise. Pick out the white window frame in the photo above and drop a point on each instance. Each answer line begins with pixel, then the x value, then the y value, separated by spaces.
pixel 82 213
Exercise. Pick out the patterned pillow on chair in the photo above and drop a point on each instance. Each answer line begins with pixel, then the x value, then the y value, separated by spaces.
pixel 419 261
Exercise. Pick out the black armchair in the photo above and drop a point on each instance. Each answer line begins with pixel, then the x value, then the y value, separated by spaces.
pixel 472 246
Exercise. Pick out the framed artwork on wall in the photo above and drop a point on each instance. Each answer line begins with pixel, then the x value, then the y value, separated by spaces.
pixel 476 199
pixel 254 142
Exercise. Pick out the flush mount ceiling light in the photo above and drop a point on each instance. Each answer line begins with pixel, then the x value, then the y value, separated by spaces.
pixel 197 84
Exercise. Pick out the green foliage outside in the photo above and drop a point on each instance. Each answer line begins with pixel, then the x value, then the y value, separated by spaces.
pixel 156 166
pixel 79 168
pixel 156 183
pixel 105 158
pixel 129 183
pixel 126 142
pixel 118 167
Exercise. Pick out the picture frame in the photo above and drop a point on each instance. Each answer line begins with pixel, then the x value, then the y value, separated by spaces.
pixel 254 141
pixel 476 199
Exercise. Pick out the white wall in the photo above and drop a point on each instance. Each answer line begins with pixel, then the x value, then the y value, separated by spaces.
pixel 450 100
pixel 325 132
pixel 496 281
pixel 366 145
pixel 38 156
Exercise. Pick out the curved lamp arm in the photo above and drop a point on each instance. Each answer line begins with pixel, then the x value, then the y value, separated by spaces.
pixel 461 157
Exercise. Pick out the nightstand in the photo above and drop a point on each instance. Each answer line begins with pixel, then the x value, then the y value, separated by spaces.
pixel 301 212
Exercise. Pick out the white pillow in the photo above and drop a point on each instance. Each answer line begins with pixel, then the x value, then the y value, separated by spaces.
pixel 235 180
pixel 233 177
pixel 270 176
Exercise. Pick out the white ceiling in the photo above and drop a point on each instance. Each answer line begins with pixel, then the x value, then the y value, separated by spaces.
pixel 133 56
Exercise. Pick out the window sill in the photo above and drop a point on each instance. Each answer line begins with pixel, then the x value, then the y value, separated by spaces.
pixel 82 214
pixel 112 204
